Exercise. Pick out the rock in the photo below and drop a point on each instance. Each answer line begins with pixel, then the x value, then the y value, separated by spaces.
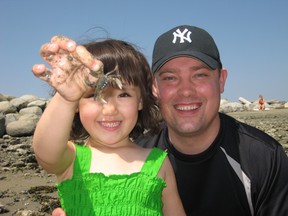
pixel 19 103
pixel 21 128
pixel 6 97
pixel 3 209
pixel 31 110
pixel 11 117
pixel 2 98
pixel 232 107
pixel 223 102
pixel 244 101
pixel 2 125
pixel 28 213
pixel 6 107
pixel 38 103
pixel 29 98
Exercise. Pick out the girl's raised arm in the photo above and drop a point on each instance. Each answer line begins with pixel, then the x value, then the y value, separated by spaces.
pixel 70 66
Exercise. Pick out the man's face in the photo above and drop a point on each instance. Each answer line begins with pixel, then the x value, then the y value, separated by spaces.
pixel 188 93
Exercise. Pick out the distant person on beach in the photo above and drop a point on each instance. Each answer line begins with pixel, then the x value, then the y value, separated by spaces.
pixel 222 166
pixel 108 107
pixel 261 103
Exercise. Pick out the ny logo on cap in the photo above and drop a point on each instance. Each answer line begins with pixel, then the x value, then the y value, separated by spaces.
pixel 182 36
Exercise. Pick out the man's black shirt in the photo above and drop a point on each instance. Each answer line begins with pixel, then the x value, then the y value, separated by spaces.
pixel 234 176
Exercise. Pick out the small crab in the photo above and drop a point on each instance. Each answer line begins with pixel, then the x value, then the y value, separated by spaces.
pixel 103 80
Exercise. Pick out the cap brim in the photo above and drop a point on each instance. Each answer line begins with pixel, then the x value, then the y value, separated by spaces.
pixel 210 62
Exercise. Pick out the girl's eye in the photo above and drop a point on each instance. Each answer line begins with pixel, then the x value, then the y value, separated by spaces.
pixel 124 94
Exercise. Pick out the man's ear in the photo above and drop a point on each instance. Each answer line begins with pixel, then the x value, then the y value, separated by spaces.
pixel 140 105
pixel 155 89
pixel 223 77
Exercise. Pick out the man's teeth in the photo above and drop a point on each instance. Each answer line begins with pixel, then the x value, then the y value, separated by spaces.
pixel 186 108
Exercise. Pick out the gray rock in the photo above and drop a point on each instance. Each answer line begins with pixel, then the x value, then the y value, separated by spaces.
pixel 6 107
pixel 6 97
pixel 232 107
pixel 38 103
pixel 29 98
pixel 31 117
pixel 27 213
pixel 223 101
pixel 2 98
pixel 21 128
pixel 2 124
pixel 10 117
pixel 244 101
pixel 31 110
pixel 19 103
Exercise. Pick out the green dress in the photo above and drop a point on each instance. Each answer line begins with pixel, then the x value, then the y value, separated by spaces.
pixel 90 194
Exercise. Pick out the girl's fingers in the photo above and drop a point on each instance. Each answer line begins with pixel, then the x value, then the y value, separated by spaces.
pixel 48 49
pixel 40 71
pixel 37 69
pixel 84 56
pixel 70 64
pixel 64 43
pixel 60 44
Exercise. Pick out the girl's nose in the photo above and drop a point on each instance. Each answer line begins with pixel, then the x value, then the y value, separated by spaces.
pixel 109 108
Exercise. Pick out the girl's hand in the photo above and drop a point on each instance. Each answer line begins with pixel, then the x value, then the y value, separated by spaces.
pixel 70 64
pixel 58 212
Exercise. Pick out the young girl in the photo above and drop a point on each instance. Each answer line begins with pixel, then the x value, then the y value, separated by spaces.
pixel 109 175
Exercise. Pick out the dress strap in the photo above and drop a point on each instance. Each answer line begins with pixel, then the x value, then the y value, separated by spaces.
pixel 154 162
pixel 82 161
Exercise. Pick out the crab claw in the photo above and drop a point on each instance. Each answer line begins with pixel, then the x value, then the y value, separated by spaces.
pixel 99 98
pixel 118 83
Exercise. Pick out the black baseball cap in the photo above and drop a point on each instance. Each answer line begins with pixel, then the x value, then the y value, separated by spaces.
pixel 185 40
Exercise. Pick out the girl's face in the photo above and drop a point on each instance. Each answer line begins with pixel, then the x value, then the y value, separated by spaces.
pixel 109 124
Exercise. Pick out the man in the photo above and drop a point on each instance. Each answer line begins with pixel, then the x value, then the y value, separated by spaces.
pixel 222 166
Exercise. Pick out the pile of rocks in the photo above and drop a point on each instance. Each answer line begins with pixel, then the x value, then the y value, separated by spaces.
pixel 19 116
pixel 246 105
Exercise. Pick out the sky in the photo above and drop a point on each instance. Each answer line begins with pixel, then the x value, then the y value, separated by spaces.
pixel 251 35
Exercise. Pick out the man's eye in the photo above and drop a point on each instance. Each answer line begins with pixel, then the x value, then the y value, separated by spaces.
pixel 200 75
pixel 168 78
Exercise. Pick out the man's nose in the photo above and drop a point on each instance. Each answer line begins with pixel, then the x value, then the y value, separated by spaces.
pixel 186 88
